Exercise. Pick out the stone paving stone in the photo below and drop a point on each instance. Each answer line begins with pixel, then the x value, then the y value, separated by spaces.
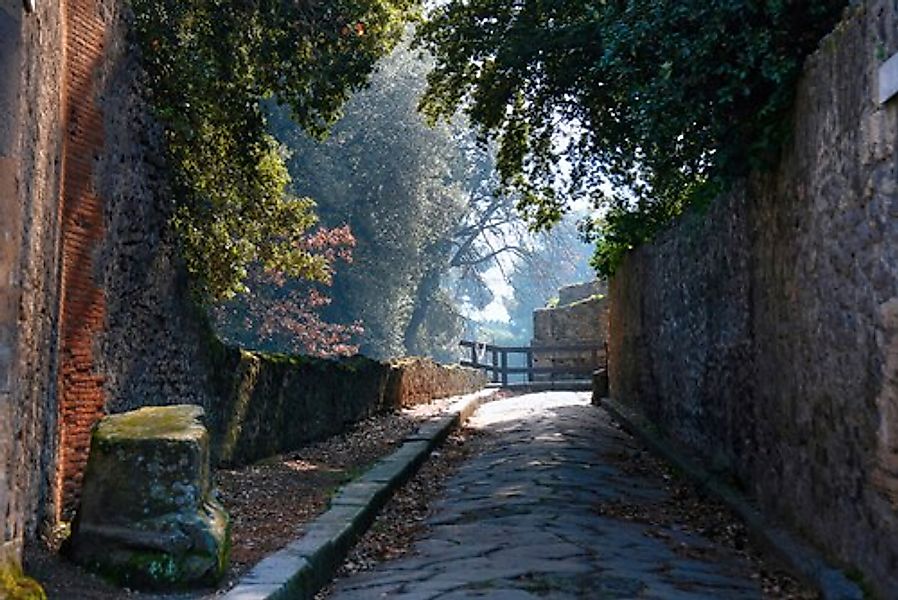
pixel 492 593
pixel 520 522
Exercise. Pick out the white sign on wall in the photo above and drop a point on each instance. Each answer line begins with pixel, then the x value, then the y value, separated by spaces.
pixel 888 79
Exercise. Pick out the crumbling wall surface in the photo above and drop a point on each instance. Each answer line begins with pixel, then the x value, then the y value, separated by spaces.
pixel 581 291
pixel 274 404
pixel 581 322
pixel 764 333
pixel 129 334
pixel 580 319
pixel 680 338
pixel 419 380
pixel 30 141
pixel 152 348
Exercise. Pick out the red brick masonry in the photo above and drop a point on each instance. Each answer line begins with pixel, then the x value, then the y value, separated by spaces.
pixel 82 311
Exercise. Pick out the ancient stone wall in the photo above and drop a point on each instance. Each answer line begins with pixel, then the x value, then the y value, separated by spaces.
pixel 152 349
pixel 30 142
pixel 94 315
pixel 128 335
pixel 581 291
pixel 416 380
pixel 762 334
pixel 579 319
pixel 274 404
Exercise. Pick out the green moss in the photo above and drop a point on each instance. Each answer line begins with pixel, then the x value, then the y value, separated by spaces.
pixel 168 422
pixel 160 571
pixel 244 379
pixel 14 585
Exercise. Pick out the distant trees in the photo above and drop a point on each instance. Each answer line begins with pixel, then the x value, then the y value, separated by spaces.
pixel 554 259
pixel 419 202
pixel 209 64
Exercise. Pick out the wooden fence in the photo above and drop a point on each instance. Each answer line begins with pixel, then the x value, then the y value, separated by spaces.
pixel 498 364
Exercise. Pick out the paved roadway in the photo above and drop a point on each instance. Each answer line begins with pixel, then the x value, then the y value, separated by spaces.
pixel 521 521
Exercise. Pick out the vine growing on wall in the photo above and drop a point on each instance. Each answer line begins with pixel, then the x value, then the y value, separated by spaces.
pixel 210 67
pixel 643 106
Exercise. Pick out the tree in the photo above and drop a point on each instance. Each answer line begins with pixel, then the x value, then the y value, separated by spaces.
pixel 209 65
pixel 664 102
pixel 282 314
pixel 419 201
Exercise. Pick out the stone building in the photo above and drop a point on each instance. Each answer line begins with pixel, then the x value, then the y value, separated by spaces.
pixel 579 318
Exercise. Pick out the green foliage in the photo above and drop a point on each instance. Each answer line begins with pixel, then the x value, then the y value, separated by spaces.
pixel 14 585
pixel 642 105
pixel 389 177
pixel 417 200
pixel 209 64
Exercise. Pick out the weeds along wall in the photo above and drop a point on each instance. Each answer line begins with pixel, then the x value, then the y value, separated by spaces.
pixel 763 332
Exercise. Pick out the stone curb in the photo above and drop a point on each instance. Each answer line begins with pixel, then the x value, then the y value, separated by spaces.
pixel 307 564
pixel 803 560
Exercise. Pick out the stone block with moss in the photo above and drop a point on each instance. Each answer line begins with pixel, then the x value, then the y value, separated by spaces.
pixel 147 517
pixel 14 585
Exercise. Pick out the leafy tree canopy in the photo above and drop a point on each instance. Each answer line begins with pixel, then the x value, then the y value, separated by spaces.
pixel 661 101
pixel 209 64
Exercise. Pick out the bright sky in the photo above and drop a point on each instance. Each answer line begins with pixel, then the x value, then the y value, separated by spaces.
pixel 503 292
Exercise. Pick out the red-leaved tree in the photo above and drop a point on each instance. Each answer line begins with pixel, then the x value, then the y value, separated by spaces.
pixel 281 314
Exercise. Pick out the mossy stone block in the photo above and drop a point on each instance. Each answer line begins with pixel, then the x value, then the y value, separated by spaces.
pixel 14 585
pixel 147 518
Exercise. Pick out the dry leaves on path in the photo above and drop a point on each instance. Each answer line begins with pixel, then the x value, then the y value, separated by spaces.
pixel 403 519
pixel 686 508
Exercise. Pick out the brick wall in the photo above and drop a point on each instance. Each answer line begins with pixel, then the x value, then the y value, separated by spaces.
pixel 81 394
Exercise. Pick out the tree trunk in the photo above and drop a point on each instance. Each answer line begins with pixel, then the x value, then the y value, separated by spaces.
pixel 430 283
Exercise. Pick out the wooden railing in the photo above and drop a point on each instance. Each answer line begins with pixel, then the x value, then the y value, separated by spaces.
pixel 499 369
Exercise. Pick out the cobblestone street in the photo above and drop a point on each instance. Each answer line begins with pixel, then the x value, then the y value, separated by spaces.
pixel 523 519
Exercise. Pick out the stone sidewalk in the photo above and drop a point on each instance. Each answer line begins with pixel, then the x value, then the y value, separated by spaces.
pixel 521 520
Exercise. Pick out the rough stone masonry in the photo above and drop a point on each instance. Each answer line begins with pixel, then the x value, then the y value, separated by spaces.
pixel 95 316
pixel 764 333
